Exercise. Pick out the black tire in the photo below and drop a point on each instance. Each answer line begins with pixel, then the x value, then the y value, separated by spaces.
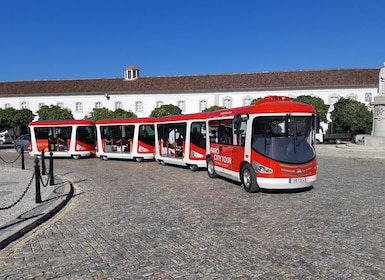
pixel 211 168
pixel 18 149
pixel 194 167
pixel 249 180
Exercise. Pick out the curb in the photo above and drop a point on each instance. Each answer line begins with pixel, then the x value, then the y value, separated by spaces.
pixel 40 214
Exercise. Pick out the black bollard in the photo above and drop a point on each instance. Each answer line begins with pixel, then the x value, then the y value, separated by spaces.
pixel 43 170
pixel 51 179
pixel 37 181
pixel 22 158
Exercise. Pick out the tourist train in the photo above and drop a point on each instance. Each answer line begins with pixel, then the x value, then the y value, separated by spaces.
pixel 268 145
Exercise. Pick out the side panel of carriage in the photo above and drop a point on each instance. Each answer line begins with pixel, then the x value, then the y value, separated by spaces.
pixel 181 140
pixel 71 138
pixel 125 139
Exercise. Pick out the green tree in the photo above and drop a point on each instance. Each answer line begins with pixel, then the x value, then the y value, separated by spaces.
pixel 104 113
pixel 11 119
pixel 166 110
pixel 54 112
pixel 123 114
pixel 213 108
pixel 318 104
pixel 351 116
pixel 255 100
pixel 100 114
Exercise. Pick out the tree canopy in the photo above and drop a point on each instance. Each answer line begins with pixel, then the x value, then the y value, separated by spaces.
pixel 351 116
pixel 255 100
pixel 166 110
pixel 318 104
pixel 213 108
pixel 11 118
pixel 104 113
pixel 54 112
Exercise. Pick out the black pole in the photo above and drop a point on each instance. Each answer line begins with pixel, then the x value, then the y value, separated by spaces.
pixel 37 181
pixel 43 171
pixel 51 179
pixel 22 158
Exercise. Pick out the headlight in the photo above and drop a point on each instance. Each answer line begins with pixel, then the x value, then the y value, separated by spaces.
pixel 259 168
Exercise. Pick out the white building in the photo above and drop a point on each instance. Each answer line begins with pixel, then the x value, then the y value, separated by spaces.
pixel 191 93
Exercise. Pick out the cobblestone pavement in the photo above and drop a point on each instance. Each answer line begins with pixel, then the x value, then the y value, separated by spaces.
pixel 14 182
pixel 131 220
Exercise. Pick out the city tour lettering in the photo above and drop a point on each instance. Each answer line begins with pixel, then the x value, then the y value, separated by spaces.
pixel 219 158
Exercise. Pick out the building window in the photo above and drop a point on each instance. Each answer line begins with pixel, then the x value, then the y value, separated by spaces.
pixel 333 99
pixel 41 105
pixel 7 106
pixel 138 106
pixel 23 105
pixel 227 102
pixel 118 105
pixel 98 105
pixel 131 73
pixel 182 105
pixel 60 105
pixel 247 100
pixel 368 97
pixel 202 105
pixel 352 96
pixel 159 103
pixel 79 107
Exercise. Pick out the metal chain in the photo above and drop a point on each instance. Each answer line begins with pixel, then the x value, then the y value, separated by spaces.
pixel 41 180
pixel 21 197
pixel 10 162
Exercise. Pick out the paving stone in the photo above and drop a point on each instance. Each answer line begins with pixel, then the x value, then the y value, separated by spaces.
pixel 131 220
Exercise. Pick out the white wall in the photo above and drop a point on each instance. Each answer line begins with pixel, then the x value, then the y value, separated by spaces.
pixel 192 100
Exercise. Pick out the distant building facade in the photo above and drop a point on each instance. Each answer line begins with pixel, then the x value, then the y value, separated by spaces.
pixel 191 93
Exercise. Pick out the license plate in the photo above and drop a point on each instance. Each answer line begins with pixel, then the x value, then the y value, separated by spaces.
pixel 297 180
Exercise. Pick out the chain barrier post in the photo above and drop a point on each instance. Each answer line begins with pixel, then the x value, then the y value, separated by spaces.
pixel 22 158
pixel 37 181
pixel 51 179
pixel 43 170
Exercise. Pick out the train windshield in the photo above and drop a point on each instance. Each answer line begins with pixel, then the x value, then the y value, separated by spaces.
pixel 287 139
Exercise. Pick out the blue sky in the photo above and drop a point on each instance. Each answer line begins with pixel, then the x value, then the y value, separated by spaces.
pixel 75 39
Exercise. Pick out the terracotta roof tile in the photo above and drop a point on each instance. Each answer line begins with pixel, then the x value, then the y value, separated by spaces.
pixel 202 83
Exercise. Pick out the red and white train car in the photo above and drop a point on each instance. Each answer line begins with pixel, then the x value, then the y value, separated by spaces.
pixel 181 140
pixel 267 145
pixel 132 138
pixel 64 138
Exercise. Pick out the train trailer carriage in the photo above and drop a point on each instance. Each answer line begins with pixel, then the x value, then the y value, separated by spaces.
pixel 267 145
pixel 64 138
pixel 125 139
pixel 181 140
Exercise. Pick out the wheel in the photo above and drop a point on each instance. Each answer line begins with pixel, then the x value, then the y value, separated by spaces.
pixel 18 149
pixel 76 156
pixel 139 159
pixel 194 167
pixel 249 180
pixel 104 158
pixel 211 168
